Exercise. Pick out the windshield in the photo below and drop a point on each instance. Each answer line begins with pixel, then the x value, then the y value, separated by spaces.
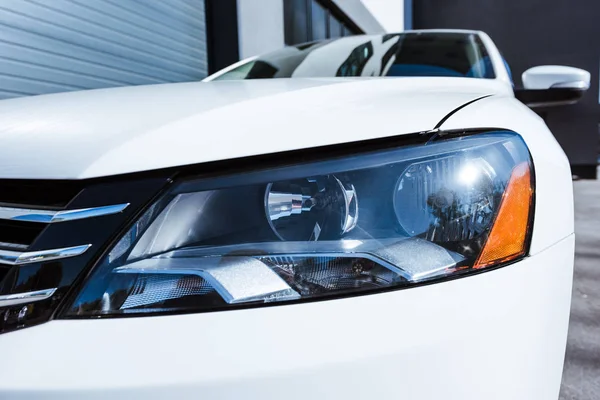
pixel 447 54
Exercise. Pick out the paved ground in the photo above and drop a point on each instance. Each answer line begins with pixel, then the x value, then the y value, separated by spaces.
pixel 581 376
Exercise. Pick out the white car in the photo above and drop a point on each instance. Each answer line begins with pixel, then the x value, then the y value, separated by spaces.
pixel 391 222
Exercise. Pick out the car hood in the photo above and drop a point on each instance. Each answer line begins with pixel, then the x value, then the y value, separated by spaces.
pixel 115 131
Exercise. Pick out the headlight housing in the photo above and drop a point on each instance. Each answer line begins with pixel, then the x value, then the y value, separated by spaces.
pixel 348 225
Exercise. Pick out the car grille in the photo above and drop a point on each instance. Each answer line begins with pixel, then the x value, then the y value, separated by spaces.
pixel 52 233
pixel 43 194
pixel 18 235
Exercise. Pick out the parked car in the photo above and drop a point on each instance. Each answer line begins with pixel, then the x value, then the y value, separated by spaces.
pixel 388 219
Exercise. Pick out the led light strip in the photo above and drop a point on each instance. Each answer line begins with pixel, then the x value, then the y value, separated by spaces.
pixel 50 217
pixel 236 279
pixel 19 258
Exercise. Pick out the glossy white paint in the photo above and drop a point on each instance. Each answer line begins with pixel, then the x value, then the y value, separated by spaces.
pixel 554 191
pixel 116 131
pixel 229 68
pixel 497 335
pixel 549 76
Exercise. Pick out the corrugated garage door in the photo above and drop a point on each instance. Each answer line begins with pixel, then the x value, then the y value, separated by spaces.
pixel 49 46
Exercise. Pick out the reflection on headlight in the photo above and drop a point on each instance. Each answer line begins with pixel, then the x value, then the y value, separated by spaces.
pixel 448 199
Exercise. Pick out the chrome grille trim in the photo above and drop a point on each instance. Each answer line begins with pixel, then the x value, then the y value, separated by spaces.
pixel 50 217
pixel 19 258
pixel 24 298
pixel 14 246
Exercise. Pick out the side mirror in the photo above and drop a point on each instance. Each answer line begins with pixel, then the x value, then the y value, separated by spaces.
pixel 553 85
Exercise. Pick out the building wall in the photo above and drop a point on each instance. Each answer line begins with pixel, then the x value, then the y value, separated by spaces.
pixel 361 15
pixel 389 13
pixel 261 28
pixel 538 32
pixel 57 46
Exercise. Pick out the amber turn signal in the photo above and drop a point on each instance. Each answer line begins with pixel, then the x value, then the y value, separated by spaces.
pixel 508 238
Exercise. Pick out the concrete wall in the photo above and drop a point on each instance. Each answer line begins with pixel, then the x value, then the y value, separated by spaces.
pixel 389 13
pixel 260 26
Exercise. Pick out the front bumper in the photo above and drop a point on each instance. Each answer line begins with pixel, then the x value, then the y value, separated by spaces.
pixel 496 335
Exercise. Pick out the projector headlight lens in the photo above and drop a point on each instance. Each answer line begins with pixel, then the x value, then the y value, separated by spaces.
pixel 379 220
pixel 447 199
pixel 311 208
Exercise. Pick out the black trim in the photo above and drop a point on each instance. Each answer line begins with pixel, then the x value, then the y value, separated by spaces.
pixel 451 113
pixel 39 194
pixel 549 97
pixel 221 34
pixel 19 232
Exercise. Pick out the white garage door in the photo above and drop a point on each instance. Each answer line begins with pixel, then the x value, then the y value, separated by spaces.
pixel 49 46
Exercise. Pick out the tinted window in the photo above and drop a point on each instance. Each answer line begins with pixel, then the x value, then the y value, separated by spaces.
pixel 356 61
pixel 447 54
pixel 442 54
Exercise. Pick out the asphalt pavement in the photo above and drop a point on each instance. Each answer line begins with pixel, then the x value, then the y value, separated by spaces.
pixel 581 375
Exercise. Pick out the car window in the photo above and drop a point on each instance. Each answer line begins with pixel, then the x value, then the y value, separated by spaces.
pixel 441 54
pixel 447 54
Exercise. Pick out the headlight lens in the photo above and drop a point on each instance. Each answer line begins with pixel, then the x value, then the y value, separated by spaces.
pixel 379 220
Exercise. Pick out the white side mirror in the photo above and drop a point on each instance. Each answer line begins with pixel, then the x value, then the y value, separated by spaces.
pixel 556 77
pixel 553 85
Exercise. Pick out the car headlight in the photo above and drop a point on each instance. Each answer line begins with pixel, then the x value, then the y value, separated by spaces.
pixel 349 225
